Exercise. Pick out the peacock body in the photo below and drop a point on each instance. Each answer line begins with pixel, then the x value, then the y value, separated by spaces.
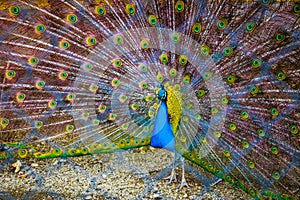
pixel 83 77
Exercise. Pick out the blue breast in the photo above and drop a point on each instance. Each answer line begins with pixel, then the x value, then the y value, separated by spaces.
pixel 162 135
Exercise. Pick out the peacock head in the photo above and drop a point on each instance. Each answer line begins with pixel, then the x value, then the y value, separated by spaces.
pixel 162 94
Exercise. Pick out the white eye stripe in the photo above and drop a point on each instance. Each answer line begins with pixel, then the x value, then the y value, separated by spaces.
pixel 165 95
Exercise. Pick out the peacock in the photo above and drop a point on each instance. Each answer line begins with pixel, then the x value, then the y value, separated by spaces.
pixel 217 83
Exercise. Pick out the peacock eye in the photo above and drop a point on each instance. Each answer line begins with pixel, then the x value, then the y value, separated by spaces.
pixel 274 150
pixel 152 20
pixel 40 28
pixel 22 96
pixel 100 10
pixel 4 121
pixel 72 18
pixel 252 192
pixel 274 112
pixel 52 104
pixel 232 126
pixel 254 90
pixel 186 79
pixel 38 124
pixel 245 144
pixel 15 10
pixel 214 111
pixel 122 98
pixel 222 23
pixel 256 63
pixel 173 72
pixel 64 44
pixel 130 9
pixel 57 150
pixel 143 85
pixel 164 58
pixel 62 75
pixel 71 96
pixel 197 28
pixel 251 164
pixel 261 133
pixel 117 63
pixel 231 79
pixel 142 67
pixel 183 60
pixel 228 51
pixel 225 100
pixel 201 93
pixel 179 6
pixel 10 74
pixel 175 37
pixel 296 9
pixel 33 61
pixel 250 27
pixel 276 175
pixel 244 115
pixel 227 178
pixel 294 129
pixel 280 37
pixel 265 1
pixel 90 40
pixel 118 39
pixel 281 76
pixel 217 134
pixel 144 44
pixel 204 50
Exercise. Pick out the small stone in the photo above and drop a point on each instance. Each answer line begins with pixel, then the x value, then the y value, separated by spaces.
pixel 34 165
pixel 48 198
pixel 88 197
pixel 17 165
pixel 143 152
pixel 24 175
pixel 55 162
pixel 156 195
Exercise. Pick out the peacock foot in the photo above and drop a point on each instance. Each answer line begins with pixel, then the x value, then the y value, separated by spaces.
pixel 183 183
pixel 171 177
pixel 183 180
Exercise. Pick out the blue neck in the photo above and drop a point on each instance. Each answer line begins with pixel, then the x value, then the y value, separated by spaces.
pixel 162 135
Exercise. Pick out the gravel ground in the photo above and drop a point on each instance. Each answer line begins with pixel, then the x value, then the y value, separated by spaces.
pixel 135 174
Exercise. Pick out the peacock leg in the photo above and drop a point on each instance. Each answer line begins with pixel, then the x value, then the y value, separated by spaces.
pixel 173 173
pixel 183 180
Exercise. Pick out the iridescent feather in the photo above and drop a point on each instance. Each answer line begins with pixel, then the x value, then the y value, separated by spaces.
pixel 81 77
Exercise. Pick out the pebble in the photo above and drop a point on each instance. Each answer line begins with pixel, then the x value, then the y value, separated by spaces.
pixel 156 195
pixel 34 165
pixel 24 175
pixel 88 197
pixel 17 165
pixel 55 163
